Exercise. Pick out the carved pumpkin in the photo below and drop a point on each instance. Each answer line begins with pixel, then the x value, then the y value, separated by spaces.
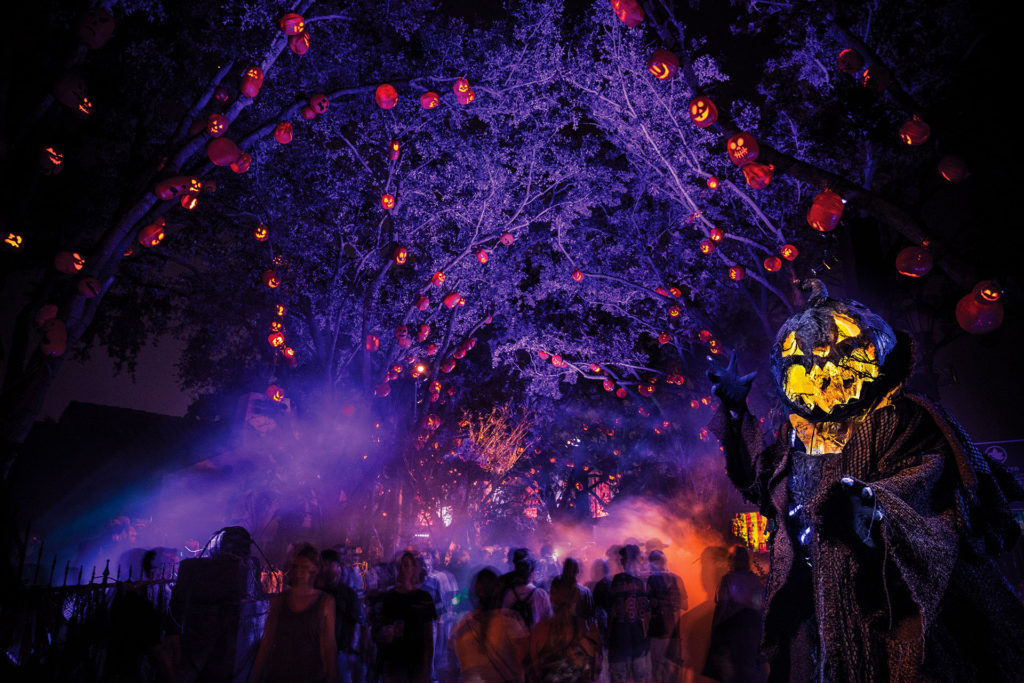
pixel 758 175
pixel 706 246
pixel 437 279
pixel 915 132
pixel 743 149
pixel 850 61
pixel 275 339
pixel 387 201
pixel 292 24
pixel 876 77
pixel 737 273
pixel 788 252
pixel 507 239
pixel 914 261
pixel 981 311
pixel 283 132
pixel 422 303
pixel 319 103
pixel 953 168
pixel 307 113
pixel 825 211
pixel 394 150
pixel 716 234
pixel 299 43
pixel 70 90
pixel 270 279
pixel 261 233
pixel 452 300
pixel 430 100
pixel 703 112
pixel 242 163
pixel 252 81
pixel 275 393
pixel 51 160
pixel 386 96
pixel 663 64
pixel 372 342
pixel 629 12
pixel 772 264
pixel 577 275
pixel 465 97
pixel 68 262
pixel 712 182
pixel 153 234
pixel 836 359
pixel 217 125
pixel 400 256
pixel 55 338
pixel 481 256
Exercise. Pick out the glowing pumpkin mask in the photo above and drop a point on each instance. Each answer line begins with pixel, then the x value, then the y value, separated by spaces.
pixel 834 360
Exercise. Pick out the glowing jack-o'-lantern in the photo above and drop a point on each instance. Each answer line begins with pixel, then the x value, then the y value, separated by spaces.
pixel 460 85
pixel 466 97
pixel 299 43
pixel 788 252
pixel 758 175
pixel 292 24
pixel 271 279
pixel 394 150
pixel 430 100
pixel 712 182
pixel 242 163
pixel 423 333
pixel 68 262
pixel 481 256
pixel 452 300
pixel 876 77
pixel 422 303
pixel 437 279
pixel 70 90
pixel 825 211
pixel 319 103
pixel 252 81
pixel 386 96
pixel 372 342
pixel 275 393
pixel 189 202
pixel 743 149
pixel 289 356
pixel 703 111
pixel 577 275
pixel 737 273
pixel 13 240
pixel 706 246
pixel 716 234
pixel 223 151
pixel 400 256
pixel 663 64
pixel 94 28
pixel 664 338
pixel 850 61
pixel 953 168
pixel 261 233
pixel 836 359
pixel 153 234
pixel 981 311
pixel 387 201
pixel 221 94
pixel 217 125
pixel 283 132
pixel 915 132
pixel 506 238
pixel 914 261
pixel 772 264
pixel 629 12
pixel 51 160
pixel 275 339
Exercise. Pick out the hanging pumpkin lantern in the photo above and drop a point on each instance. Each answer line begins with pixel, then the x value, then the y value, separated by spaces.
pixel 252 81
pixel 307 113
pixel 459 353
pixel 437 279
pixel 674 311
pixel 68 262
pixel 89 287
pixel 189 202
pixel 713 182
pixel 283 132
pixel 789 252
pixel 372 342
pixel 261 233
pixel 663 64
pixel 915 131
pixel 621 392
pixel 299 43
pixel 577 275
pixel 223 151
pixel 876 77
pixel 51 160
pixel 432 349
pixel 55 338
pixel 646 389
pixel 608 385
pixel 506 239
pixel 772 264
pixel 664 338
pixel 481 256
pixel 386 96
pixel 825 211
pixel 153 234
pixel 270 279
pixel 401 331
pixel 289 356
pixel 387 201
pixel 394 150
pixel 280 310
pixel 460 85
pixel 292 24
pixel 423 333
pixel 70 90
pixel 276 326
pixel 981 311
pixel 221 94
pixel 737 273
pixel 953 168
pixel 94 28
pixel 850 61
pixel 758 175
pixel 914 261
pixel 430 100
pixel 629 12
pixel 400 256
pixel 217 125
pixel 275 393
pixel 242 163
pixel 422 303
pixel 319 103
pixel 466 97
pixel 13 240
pixel 706 246
pixel 743 149
pixel 275 339
pixel 703 111
pixel 448 365
pixel 716 234
pixel 705 336
pixel 451 300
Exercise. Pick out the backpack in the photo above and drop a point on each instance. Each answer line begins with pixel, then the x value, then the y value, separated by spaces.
pixel 524 607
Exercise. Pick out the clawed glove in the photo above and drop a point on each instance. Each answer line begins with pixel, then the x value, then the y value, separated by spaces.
pixel 729 386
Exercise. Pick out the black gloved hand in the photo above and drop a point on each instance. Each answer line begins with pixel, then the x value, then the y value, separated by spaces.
pixel 861 510
pixel 729 386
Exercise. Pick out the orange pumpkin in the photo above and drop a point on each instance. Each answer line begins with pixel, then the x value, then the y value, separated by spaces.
pixel 703 111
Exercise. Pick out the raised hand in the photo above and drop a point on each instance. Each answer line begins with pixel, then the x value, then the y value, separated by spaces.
pixel 728 385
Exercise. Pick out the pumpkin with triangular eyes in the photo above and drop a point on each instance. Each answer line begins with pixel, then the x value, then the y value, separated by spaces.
pixel 835 359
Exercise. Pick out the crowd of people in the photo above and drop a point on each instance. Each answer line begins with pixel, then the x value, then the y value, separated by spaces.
pixel 427 617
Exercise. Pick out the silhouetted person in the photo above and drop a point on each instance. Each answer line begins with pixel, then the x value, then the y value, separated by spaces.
pixel 406 638
pixel 490 642
pixel 736 629
pixel 668 599
pixel 628 644
pixel 349 617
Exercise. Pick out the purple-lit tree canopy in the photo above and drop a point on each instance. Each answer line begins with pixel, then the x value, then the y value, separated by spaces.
pixel 565 204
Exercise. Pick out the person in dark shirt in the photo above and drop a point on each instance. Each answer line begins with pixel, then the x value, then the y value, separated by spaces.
pixel 406 635
pixel 349 616
pixel 628 643
pixel 667 596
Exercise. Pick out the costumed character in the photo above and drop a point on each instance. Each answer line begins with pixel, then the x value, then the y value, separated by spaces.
pixel 885 514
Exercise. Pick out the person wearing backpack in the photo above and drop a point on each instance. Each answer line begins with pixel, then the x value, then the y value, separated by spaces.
pixel 565 648
pixel 524 598
pixel 628 640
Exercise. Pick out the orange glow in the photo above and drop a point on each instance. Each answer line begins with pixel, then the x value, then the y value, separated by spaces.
pixel 706 246
pixel 275 393
pixel 387 201
pixel 270 279
pixel 430 100
pixel 275 339
pixel 261 233
pixel 737 273
pixel 577 275
pixel 703 112
pixel 663 64
pixel 716 234
pixel 400 256
pixel 437 279
pixel 13 241
pixel 789 252
pixel 189 202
